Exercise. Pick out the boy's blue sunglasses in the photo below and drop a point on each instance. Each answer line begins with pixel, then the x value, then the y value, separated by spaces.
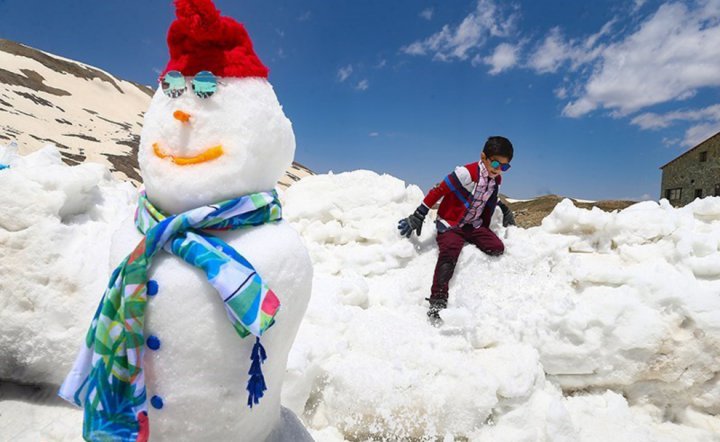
pixel 503 166
pixel 204 84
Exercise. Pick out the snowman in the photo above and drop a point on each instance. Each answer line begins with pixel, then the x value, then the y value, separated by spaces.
pixel 191 338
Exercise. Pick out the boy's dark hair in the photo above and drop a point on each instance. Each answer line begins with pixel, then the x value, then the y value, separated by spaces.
pixel 498 146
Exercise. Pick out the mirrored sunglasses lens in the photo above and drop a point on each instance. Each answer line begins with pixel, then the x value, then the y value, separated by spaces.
pixel 204 84
pixel 173 84
pixel 505 167
pixel 494 164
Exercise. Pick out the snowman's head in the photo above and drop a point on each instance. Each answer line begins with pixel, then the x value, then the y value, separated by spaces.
pixel 196 151
pixel 214 129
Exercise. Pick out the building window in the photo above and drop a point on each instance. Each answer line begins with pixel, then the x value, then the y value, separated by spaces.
pixel 698 193
pixel 673 194
pixel 703 156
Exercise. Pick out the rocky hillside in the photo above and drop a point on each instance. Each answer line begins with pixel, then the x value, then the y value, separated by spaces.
pixel 88 113
pixel 530 213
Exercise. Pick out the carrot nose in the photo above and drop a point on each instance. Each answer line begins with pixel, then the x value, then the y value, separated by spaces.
pixel 181 116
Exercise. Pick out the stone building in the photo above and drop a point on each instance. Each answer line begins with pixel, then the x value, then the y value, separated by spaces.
pixel 694 174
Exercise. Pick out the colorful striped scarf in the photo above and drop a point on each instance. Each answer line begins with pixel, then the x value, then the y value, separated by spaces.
pixel 107 377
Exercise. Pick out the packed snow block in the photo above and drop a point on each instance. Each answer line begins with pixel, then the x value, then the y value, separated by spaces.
pixel 385 375
pixel 43 187
pixel 349 220
pixel 543 416
pixel 609 416
pixel 516 367
pixel 55 227
pixel 705 209
pixel 386 397
pixel 640 319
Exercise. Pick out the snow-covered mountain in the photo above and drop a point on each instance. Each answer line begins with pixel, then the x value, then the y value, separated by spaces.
pixel 89 114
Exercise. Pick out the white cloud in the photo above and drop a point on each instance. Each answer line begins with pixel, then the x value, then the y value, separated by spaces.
pixel 427 13
pixel 344 73
pixel 305 16
pixel 362 85
pixel 589 43
pixel 706 122
pixel 463 40
pixel 415 48
pixel 672 54
pixel 671 142
pixel 555 50
pixel 579 107
pixel 374 134
pixel 503 58
pixel 699 133
pixel 651 120
pixel 551 53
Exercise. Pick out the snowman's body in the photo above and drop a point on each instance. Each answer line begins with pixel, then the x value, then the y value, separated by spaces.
pixel 200 369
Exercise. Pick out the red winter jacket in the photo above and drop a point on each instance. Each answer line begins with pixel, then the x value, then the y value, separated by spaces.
pixel 456 191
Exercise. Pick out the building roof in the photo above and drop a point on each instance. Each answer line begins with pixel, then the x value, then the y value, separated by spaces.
pixel 717 135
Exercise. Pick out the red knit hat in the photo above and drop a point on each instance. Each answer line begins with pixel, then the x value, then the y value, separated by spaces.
pixel 202 40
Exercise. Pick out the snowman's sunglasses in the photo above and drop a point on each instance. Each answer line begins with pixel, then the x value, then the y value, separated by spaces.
pixel 204 84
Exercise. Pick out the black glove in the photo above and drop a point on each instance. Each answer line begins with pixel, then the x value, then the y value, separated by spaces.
pixel 413 222
pixel 508 216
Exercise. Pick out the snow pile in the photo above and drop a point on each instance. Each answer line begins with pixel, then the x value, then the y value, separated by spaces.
pixel 594 326
pixel 645 310
pixel 55 228
pixel 587 302
pixel 348 220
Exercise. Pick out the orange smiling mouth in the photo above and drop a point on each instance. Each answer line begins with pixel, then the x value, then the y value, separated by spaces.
pixel 208 155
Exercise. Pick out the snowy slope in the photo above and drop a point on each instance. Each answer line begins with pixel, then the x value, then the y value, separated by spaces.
pixel 593 326
pixel 88 113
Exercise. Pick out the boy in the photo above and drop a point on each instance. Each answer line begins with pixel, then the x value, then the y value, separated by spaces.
pixel 469 196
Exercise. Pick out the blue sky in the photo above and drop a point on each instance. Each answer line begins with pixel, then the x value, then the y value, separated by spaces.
pixel 595 96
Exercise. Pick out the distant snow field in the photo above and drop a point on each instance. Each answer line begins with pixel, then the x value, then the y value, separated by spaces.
pixel 593 326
